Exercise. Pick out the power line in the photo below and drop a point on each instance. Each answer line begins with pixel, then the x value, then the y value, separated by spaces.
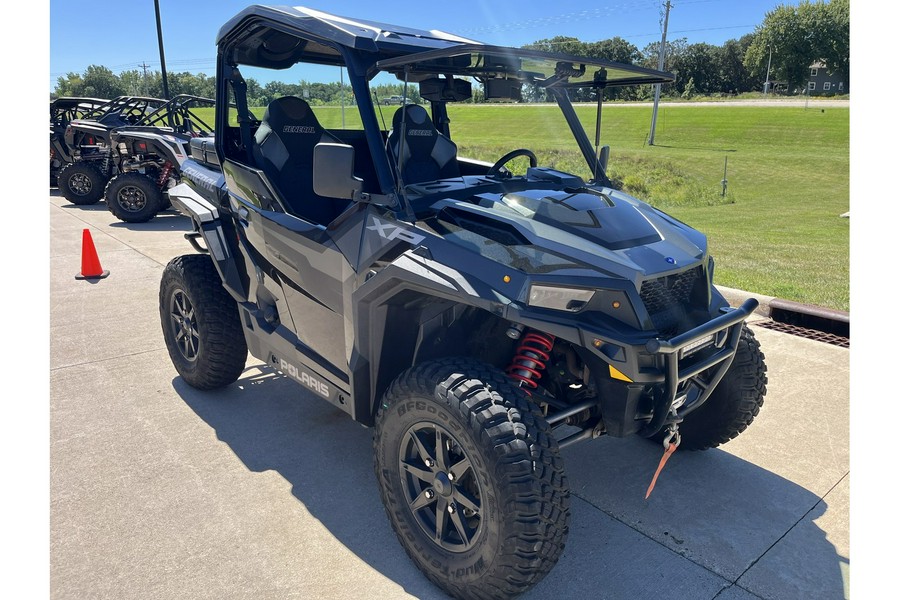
pixel 564 17
pixel 633 35
pixel 196 62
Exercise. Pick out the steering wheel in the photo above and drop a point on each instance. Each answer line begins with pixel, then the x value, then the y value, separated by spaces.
pixel 495 170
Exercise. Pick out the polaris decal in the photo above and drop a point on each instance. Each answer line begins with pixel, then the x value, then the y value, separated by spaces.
pixel 392 232
pixel 310 381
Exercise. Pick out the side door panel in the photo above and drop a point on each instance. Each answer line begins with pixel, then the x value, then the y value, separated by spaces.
pixel 306 260
pixel 312 263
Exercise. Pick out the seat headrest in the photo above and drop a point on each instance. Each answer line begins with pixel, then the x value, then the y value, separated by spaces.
pixel 426 154
pixel 292 112
pixel 416 118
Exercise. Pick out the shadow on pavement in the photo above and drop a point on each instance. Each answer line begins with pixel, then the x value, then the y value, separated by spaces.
pixel 719 515
pixel 98 206
pixel 168 220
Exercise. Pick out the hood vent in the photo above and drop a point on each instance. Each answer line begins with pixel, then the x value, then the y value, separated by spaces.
pixel 500 232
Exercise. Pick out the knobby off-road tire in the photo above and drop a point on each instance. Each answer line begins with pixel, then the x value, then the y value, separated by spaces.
pixel 81 183
pixel 133 197
pixel 471 479
pixel 200 323
pixel 733 404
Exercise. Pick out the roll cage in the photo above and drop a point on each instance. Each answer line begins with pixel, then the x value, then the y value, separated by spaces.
pixel 181 115
pixel 279 37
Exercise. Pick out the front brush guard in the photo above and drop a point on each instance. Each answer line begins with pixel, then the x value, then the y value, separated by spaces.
pixel 728 327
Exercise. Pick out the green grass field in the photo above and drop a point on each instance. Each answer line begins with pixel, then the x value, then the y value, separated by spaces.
pixel 778 230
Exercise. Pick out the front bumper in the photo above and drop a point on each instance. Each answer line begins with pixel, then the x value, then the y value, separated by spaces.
pixel 651 383
pixel 680 364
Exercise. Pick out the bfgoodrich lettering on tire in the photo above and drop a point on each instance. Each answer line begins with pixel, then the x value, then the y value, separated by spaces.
pixel 200 323
pixel 471 479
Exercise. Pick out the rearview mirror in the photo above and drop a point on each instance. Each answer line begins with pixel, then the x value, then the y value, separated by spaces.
pixel 435 89
pixel 503 89
pixel 333 171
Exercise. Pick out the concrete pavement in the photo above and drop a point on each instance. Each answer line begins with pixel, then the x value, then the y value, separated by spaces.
pixel 159 491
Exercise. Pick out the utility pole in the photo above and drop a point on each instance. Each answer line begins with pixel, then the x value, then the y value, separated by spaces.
pixel 662 62
pixel 162 53
pixel 144 66
pixel 768 69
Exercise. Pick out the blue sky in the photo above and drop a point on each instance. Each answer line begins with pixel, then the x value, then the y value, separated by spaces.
pixel 190 26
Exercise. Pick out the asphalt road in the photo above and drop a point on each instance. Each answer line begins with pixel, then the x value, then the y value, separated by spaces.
pixel 160 491
pixel 780 103
pixel 773 103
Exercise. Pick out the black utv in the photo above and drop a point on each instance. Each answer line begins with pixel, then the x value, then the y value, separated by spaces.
pixel 62 112
pixel 132 161
pixel 88 149
pixel 480 316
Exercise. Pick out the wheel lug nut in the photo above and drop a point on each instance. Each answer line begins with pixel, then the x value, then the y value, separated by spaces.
pixel 429 494
pixel 429 462
pixel 450 476
pixel 451 508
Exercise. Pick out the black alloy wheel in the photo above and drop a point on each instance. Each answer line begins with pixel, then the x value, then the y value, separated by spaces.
pixel 183 324
pixel 134 197
pixel 440 486
pixel 131 199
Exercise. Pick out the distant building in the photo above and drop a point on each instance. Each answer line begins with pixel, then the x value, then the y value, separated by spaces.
pixel 823 82
pixel 778 87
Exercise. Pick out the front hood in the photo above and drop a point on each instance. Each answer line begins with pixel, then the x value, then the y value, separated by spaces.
pixel 572 232
pixel 595 216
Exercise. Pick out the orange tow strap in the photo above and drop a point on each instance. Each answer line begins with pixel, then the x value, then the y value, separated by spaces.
pixel 662 462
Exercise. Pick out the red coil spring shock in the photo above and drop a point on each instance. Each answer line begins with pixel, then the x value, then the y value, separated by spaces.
pixel 164 174
pixel 532 355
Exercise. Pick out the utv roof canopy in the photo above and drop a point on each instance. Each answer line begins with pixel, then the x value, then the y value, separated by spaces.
pixel 544 69
pixel 277 37
pixel 266 36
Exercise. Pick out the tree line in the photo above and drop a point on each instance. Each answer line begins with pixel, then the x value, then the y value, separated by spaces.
pixel 100 82
pixel 783 46
pixel 789 40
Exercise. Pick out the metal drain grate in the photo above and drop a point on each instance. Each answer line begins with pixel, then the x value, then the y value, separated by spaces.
pixel 811 334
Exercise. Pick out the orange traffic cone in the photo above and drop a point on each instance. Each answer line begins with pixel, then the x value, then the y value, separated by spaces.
pixel 90 262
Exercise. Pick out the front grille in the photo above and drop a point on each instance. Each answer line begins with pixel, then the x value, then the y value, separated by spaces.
pixel 667 299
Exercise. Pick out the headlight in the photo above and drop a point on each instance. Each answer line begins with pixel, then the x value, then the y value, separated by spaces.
pixel 559 298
